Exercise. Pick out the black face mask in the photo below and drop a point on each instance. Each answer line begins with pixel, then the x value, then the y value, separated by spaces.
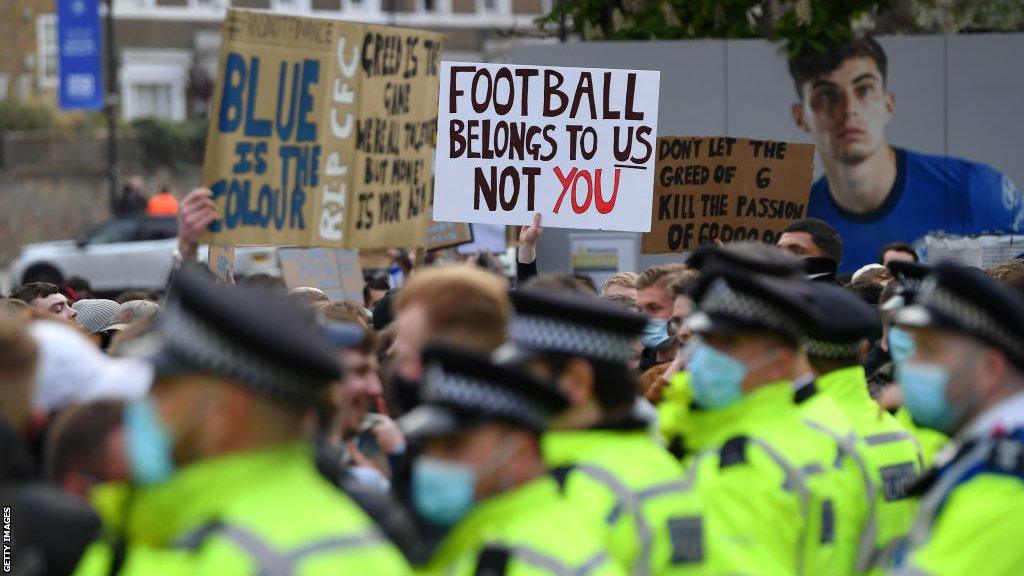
pixel 821 268
pixel 648 359
pixel 405 394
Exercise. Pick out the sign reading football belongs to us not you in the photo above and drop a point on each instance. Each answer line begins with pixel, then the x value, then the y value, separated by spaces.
pixel 575 144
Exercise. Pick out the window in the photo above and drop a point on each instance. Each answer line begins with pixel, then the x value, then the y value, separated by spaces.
pixel 153 83
pixel 159 228
pixel 151 100
pixel 286 5
pixel 24 87
pixel 46 50
pixel 120 230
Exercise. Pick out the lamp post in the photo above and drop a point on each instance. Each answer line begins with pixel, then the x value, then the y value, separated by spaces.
pixel 110 105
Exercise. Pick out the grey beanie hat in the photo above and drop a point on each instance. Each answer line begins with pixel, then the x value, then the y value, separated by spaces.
pixel 95 314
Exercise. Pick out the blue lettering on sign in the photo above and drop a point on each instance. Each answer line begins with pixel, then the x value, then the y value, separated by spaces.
pixel 253 126
pixel 247 201
pixel 231 101
pixel 284 130
pixel 310 76
pixel 238 102
pixel 269 206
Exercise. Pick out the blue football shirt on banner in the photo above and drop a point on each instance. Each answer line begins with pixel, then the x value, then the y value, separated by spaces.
pixel 931 193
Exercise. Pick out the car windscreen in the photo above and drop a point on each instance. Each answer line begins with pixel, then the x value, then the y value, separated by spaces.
pixel 158 228
pixel 119 230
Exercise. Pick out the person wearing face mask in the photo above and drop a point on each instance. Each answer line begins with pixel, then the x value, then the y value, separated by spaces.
pixel 888 455
pixel 478 473
pixel 899 345
pixel 966 378
pixel 654 300
pixel 223 479
pixel 853 545
pixel 609 467
pixel 676 421
pixel 777 495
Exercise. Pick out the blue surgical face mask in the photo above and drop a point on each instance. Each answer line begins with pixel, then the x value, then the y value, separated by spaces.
pixel 901 345
pixel 924 394
pixel 442 491
pixel 715 377
pixel 655 334
pixel 148 443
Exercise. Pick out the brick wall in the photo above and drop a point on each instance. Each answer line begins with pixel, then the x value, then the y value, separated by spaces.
pixel 18 30
pixel 60 200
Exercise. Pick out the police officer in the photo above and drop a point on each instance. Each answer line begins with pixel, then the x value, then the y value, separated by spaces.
pixel 908 278
pixel 610 468
pixel 966 378
pixel 836 342
pixel 479 473
pixel 775 501
pixel 223 481
pixel 855 531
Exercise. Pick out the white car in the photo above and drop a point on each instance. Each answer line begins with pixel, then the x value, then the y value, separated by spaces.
pixel 129 252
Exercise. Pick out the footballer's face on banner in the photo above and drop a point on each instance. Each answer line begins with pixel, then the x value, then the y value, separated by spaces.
pixel 846 110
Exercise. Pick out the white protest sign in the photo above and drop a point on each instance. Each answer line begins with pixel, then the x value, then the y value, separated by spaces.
pixel 575 144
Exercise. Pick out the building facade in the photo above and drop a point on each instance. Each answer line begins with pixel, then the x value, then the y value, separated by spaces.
pixel 169 49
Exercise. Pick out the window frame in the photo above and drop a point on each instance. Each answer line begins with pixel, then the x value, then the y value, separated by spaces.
pixel 42 21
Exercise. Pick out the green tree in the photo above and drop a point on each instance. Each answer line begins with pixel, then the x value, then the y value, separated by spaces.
pixel 797 23
pixel 952 16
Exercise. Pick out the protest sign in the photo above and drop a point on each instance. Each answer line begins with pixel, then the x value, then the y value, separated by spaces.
pixel 322 132
pixel 983 251
pixel 447 234
pixel 374 258
pixel 337 272
pixel 575 144
pixel 221 261
pixel 726 189
pixel 601 256
pixel 489 238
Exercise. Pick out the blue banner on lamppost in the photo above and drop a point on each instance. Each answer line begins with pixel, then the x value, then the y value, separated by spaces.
pixel 81 55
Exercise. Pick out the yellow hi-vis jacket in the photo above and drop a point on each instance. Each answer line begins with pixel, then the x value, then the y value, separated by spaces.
pixel 257 512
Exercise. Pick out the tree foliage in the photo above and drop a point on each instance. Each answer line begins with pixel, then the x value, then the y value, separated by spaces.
pixel 952 16
pixel 798 24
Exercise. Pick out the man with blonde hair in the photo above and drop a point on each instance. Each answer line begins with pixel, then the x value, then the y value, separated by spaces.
pixel 623 283
pixel 460 305
pixel 654 300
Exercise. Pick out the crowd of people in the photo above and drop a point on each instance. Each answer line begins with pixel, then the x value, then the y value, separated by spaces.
pixel 744 411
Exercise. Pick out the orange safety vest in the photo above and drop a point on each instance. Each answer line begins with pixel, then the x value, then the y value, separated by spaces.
pixel 162 204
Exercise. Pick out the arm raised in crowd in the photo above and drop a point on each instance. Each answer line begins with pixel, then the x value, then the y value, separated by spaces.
pixel 195 213
pixel 526 254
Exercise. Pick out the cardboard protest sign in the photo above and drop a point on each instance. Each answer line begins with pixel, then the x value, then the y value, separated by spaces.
pixel 727 189
pixel 575 144
pixel 374 258
pixel 337 272
pixel 221 261
pixel 322 132
pixel 448 234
